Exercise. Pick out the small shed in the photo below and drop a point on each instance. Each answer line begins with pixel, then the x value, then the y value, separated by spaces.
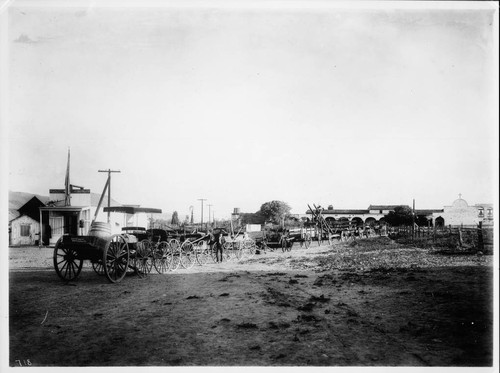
pixel 24 230
pixel 24 223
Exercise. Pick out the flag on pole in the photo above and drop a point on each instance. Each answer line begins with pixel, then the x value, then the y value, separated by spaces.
pixel 67 186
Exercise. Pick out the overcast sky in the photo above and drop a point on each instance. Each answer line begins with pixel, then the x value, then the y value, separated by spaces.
pixel 244 105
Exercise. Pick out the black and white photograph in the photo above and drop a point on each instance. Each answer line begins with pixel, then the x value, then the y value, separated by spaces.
pixel 249 184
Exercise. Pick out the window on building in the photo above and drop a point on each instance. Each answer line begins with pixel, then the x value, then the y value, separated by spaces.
pixel 490 213
pixel 481 212
pixel 25 230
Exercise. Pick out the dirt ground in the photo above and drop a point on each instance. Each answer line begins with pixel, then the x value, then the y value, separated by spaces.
pixel 369 303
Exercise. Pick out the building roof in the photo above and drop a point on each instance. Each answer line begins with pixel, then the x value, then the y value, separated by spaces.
pixel 18 199
pixel 21 215
pixel 427 211
pixel 384 207
pixel 132 209
pixel 31 208
pixel 343 211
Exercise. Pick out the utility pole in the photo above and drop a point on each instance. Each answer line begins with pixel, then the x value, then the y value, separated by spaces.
pixel 109 171
pixel 209 214
pixel 201 199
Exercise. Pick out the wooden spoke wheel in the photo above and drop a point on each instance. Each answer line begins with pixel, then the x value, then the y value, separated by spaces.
pixel 161 259
pixel 66 261
pixel 330 240
pixel 227 251
pixel 116 257
pixel 284 244
pixel 188 255
pixel 248 248
pixel 202 252
pixel 98 267
pixel 143 258
pixel 307 241
pixel 238 250
pixel 213 252
pixel 175 253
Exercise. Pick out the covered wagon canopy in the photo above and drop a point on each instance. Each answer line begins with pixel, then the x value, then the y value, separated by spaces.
pixel 132 209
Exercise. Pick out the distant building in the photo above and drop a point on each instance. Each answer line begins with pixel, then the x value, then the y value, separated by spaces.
pixel 24 227
pixel 374 214
pixel 460 213
pixel 57 218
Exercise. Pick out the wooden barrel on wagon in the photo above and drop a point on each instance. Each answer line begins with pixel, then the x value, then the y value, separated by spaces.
pixel 100 229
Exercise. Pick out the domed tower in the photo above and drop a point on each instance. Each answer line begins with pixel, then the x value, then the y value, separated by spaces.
pixel 460 203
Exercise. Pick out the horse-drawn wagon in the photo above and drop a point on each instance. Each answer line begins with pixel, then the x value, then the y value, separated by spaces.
pixel 112 255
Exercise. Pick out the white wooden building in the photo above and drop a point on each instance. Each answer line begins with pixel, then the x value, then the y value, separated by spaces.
pixel 23 230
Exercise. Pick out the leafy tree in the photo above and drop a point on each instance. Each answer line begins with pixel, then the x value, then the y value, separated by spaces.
pixel 421 220
pixel 274 211
pixel 402 215
pixel 175 218
pixel 293 222
pixel 252 218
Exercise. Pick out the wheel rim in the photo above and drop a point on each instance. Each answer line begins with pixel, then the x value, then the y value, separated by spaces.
pixel 116 258
pixel 143 261
pixel 201 253
pixel 213 253
pixel 66 261
pixel 227 248
pixel 175 255
pixel 248 248
pixel 160 257
pixel 188 256
pixel 238 254
pixel 98 267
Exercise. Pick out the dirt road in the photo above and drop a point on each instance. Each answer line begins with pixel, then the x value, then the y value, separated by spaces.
pixel 374 303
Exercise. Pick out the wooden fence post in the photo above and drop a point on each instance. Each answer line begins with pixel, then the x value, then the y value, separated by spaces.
pixel 480 241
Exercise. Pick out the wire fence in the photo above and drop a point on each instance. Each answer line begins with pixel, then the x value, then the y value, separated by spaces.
pixel 474 238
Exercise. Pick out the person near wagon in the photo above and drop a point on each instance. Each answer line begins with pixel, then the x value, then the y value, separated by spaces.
pixel 217 240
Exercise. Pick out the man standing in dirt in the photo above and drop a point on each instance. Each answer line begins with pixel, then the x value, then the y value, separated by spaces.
pixel 217 239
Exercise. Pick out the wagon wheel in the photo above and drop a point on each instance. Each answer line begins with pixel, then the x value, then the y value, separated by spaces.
pixel 330 240
pixel 227 251
pixel 116 258
pixel 283 244
pixel 161 260
pixel 238 251
pixel 248 248
pixel 143 259
pixel 202 253
pixel 66 261
pixel 265 246
pixel 212 252
pixel 98 267
pixel 232 252
pixel 188 256
pixel 307 241
pixel 175 253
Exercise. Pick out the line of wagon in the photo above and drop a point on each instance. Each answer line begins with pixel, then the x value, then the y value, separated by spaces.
pixel 140 251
